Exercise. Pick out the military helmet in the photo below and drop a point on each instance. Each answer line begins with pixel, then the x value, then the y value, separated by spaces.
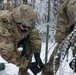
pixel 24 14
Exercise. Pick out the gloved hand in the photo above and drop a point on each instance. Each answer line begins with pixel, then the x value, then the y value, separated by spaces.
pixel 34 68
pixel 2 66
pixel 37 66
pixel 38 60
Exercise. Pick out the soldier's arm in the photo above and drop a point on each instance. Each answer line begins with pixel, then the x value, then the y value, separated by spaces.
pixel 61 25
pixel 35 40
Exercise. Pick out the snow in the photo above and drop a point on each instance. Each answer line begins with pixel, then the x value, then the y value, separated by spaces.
pixel 5 1
pixel 64 68
pixel 51 47
pixel 10 69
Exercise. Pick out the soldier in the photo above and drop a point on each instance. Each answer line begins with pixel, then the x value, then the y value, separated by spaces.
pixel 66 22
pixel 19 25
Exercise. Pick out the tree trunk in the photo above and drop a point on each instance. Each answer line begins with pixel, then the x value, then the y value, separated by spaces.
pixel 33 3
pixel 25 2
pixel 1 4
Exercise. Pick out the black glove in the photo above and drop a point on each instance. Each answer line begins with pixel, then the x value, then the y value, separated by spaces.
pixel 2 66
pixel 24 54
pixel 37 66
pixel 38 60
pixel 34 67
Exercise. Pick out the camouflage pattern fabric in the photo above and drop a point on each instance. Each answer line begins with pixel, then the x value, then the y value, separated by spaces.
pixel 65 20
pixel 65 23
pixel 10 35
pixel 25 18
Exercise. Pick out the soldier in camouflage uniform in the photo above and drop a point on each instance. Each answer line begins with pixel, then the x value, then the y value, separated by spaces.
pixel 16 25
pixel 66 22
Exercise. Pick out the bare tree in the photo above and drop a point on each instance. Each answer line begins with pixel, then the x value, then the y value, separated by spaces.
pixel 25 1
pixel 33 3
pixel 1 4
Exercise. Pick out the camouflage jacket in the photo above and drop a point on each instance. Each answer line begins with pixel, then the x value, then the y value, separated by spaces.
pixel 10 35
pixel 66 20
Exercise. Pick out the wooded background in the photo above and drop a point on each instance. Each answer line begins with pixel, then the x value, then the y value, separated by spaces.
pixel 9 4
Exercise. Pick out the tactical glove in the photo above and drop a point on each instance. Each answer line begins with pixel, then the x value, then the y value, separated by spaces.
pixel 38 60
pixel 34 68
pixel 37 66
pixel 2 66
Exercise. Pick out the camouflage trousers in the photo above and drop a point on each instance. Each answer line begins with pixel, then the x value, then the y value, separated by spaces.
pixel 13 57
pixel 23 72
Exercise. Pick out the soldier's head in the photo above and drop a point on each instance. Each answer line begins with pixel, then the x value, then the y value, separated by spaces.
pixel 24 16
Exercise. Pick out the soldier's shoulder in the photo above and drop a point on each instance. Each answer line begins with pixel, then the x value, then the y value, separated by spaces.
pixel 5 14
pixel 64 5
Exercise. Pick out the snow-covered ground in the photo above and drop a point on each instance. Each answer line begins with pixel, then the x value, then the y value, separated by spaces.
pixel 65 69
pixel 10 69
